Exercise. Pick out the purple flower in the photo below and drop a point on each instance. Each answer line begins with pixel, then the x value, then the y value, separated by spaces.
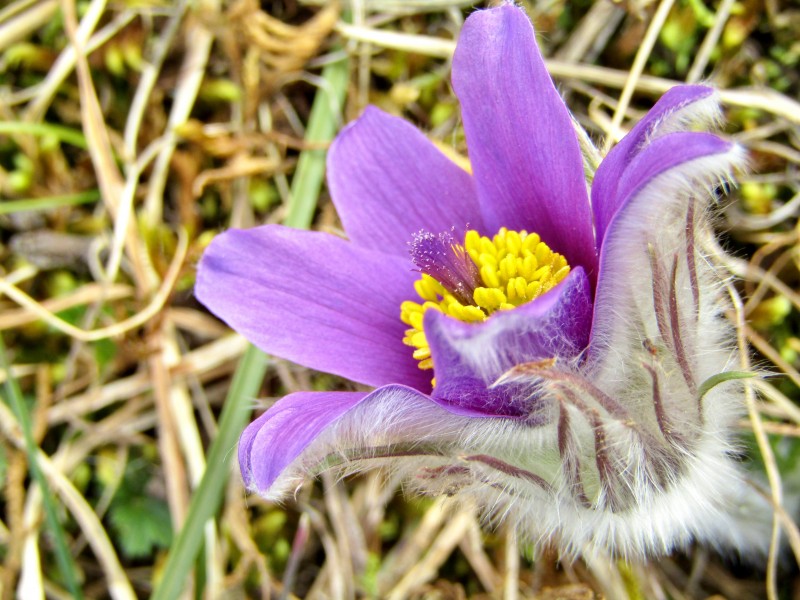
pixel 565 391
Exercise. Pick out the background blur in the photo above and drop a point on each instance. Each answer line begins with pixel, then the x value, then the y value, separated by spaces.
pixel 131 132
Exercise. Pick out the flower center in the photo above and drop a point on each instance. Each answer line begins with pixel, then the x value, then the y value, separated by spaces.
pixel 470 281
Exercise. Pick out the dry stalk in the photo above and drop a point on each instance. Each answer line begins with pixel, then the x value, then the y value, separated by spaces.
pixel 439 551
pixel 17 26
pixel 118 584
pixel 137 320
pixel 283 48
pixel 472 548
pixel 86 294
pixel 199 39
pixel 710 41
pixel 767 100
pixel 773 474
pixel 511 575
pixel 168 447
pixel 635 73
pixel 401 558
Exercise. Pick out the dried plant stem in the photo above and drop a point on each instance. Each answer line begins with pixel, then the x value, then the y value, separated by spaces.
pixel 472 548
pixel 759 99
pixel 109 178
pixel 207 496
pixel 137 320
pixel 41 95
pixel 747 271
pixel 84 514
pixel 199 41
pixel 124 232
pixel 334 581
pixel 789 526
pixel 188 437
pixel 174 467
pixel 597 24
pixel 119 587
pixel 91 114
pixel 149 77
pixel 84 295
pixel 642 54
pixel 441 548
pixel 400 562
pixel 347 532
pixel 773 475
pixel 22 436
pixel 769 351
pixel 364 52
pixel 788 408
pixel 511 578
pixel 14 489
pixel 22 24
pixel 31 579
pixel 710 41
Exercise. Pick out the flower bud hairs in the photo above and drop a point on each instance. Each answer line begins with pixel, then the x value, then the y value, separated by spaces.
pixel 555 355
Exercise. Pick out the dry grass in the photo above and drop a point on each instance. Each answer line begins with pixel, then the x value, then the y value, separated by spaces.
pixel 130 133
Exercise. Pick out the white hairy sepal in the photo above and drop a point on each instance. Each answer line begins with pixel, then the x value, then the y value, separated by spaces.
pixel 631 461
pixel 703 114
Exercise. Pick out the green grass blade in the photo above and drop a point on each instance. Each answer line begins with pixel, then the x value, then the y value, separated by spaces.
pixel 306 185
pixel 64 134
pixel 17 403
pixel 322 125
pixel 29 204
pixel 208 495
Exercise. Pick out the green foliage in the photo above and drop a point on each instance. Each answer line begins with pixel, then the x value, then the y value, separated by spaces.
pixel 369 579
pixel 715 380
pixel 679 35
pixel 3 463
pixel 139 521
pixel 263 194
pixel 105 351
pixel 141 524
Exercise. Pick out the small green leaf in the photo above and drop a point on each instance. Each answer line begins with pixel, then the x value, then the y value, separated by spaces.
pixel 715 380
pixel 142 524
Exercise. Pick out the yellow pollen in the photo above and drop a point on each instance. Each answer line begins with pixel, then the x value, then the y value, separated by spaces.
pixel 514 266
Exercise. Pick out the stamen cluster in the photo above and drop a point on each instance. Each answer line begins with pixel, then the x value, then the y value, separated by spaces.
pixel 470 281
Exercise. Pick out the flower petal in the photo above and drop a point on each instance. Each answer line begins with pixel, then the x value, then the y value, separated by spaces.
pixel 306 432
pixel 388 181
pixel 469 357
pixel 679 107
pixel 523 149
pixel 664 154
pixel 273 441
pixel 314 299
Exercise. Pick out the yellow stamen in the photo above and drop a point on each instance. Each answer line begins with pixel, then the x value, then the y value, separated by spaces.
pixel 515 267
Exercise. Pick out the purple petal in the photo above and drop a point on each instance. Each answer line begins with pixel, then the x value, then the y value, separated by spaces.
pixel 663 154
pixel 273 441
pixel 523 149
pixel 675 108
pixel 469 358
pixel 300 432
pixel 313 299
pixel 388 181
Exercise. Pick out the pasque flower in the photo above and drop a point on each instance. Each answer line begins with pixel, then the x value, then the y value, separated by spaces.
pixel 534 347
